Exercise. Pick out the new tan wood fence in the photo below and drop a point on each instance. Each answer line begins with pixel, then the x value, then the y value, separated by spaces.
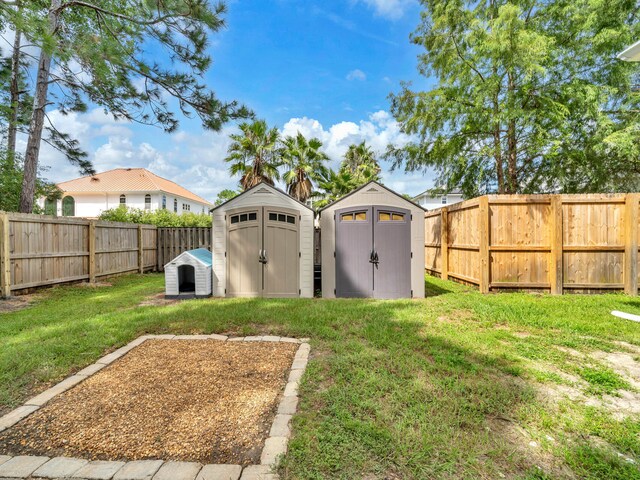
pixel 37 250
pixel 173 241
pixel 557 243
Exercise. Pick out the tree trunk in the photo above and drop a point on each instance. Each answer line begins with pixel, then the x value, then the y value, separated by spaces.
pixel 512 157
pixel 497 154
pixel 37 119
pixel 14 97
pixel 512 143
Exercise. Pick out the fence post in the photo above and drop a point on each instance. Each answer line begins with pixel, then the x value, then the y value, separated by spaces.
pixel 140 250
pixel 92 251
pixel 444 243
pixel 5 256
pixel 556 273
pixel 485 261
pixel 631 244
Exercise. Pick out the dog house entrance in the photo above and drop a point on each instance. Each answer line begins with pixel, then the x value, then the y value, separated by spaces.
pixel 186 279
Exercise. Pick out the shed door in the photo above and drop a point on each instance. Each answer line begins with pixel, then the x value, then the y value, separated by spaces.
pixel 244 242
pixel 392 247
pixel 354 245
pixel 281 253
pixel 373 252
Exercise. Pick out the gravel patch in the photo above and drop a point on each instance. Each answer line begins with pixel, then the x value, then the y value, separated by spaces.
pixel 200 401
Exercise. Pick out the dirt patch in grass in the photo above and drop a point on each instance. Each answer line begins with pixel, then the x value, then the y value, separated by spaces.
pixel 13 304
pixel 531 455
pixel 157 300
pixel 458 317
pixel 607 380
pixel 190 400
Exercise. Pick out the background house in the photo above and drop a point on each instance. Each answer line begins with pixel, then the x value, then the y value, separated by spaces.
pixel 429 201
pixel 134 187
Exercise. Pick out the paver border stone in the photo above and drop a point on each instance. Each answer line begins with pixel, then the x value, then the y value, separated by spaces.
pixel 274 447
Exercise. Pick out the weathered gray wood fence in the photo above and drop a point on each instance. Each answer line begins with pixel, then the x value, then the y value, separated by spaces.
pixel 173 241
pixel 40 250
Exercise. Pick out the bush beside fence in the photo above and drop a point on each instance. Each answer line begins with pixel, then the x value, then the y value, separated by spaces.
pixel 555 243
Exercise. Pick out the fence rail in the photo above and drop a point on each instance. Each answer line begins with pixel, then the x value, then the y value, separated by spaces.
pixel 38 250
pixel 558 243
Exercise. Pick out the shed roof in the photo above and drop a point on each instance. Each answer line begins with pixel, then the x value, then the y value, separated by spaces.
pixel 367 185
pixel 261 184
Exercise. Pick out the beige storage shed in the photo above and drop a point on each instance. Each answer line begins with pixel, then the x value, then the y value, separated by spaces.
pixel 372 245
pixel 262 244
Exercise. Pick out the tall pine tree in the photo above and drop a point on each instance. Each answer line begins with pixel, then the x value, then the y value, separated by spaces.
pixel 129 57
pixel 529 96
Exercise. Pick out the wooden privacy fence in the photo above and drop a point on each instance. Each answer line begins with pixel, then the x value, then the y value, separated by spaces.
pixel 37 250
pixel 558 243
pixel 173 241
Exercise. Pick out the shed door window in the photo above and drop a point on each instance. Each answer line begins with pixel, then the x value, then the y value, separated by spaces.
pixel 123 199
pixel 147 202
pixel 390 217
pixel 175 205
pixel 282 217
pixel 354 217
pixel 244 217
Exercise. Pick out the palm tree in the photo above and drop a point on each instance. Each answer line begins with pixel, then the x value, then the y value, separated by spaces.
pixel 360 161
pixel 333 185
pixel 253 154
pixel 304 163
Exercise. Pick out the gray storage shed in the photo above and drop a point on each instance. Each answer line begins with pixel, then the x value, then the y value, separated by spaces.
pixel 262 242
pixel 189 275
pixel 372 245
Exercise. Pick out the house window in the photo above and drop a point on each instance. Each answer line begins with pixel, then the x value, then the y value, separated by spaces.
pixel 202 209
pixel 175 205
pixel 444 200
pixel 123 199
pixel 147 202
pixel 164 202
pixel 50 207
pixel 186 207
pixel 68 207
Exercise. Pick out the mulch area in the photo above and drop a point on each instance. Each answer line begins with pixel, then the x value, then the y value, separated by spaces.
pixel 190 400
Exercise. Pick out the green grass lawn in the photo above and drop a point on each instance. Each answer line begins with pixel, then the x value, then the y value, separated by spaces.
pixel 458 385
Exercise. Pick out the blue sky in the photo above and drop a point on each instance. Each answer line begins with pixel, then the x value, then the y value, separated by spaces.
pixel 324 68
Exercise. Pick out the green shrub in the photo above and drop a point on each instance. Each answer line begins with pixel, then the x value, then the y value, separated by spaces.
pixel 159 218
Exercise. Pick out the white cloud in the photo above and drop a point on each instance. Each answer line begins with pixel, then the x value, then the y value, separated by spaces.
pixel 195 159
pixel 391 9
pixel 379 130
pixel 356 74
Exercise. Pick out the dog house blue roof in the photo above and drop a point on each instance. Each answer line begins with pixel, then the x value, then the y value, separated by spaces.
pixel 201 254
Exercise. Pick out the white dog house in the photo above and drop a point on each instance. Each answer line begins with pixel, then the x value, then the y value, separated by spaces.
pixel 372 245
pixel 262 242
pixel 189 275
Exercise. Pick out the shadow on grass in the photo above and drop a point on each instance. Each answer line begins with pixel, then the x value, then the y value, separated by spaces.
pixel 384 394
